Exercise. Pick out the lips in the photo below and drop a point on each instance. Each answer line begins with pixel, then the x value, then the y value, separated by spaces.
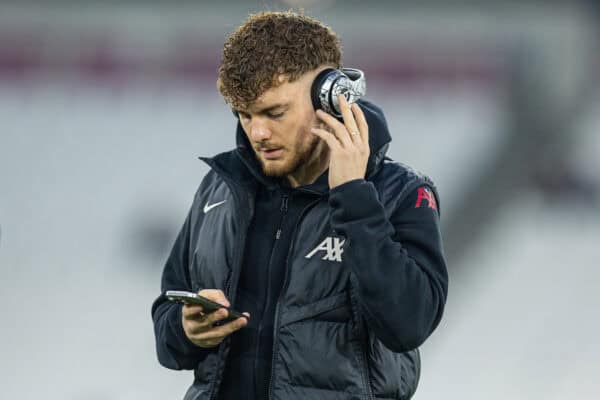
pixel 271 154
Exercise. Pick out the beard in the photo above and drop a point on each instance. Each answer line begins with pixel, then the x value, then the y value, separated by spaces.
pixel 300 155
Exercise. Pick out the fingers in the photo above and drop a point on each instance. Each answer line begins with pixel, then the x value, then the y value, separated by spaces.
pixel 215 295
pixel 200 327
pixel 349 119
pixel 353 130
pixel 327 137
pixel 192 311
pixel 222 331
pixel 216 335
pixel 196 319
pixel 199 323
pixel 337 128
pixel 361 121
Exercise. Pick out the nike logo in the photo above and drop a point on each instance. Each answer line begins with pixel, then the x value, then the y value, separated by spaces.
pixel 207 208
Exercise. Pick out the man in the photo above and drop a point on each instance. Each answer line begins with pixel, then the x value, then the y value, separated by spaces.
pixel 332 250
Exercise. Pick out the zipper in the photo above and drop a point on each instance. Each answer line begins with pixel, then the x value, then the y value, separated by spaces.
pixel 364 342
pixel 283 208
pixel 231 285
pixel 230 288
pixel 283 289
pixel 365 357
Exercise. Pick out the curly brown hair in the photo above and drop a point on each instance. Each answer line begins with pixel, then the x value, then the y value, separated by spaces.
pixel 268 45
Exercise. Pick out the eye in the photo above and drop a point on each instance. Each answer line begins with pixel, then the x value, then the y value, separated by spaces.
pixel 243 115
pixel 275 116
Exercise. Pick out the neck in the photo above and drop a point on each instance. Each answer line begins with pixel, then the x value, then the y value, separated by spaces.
pixel 309 171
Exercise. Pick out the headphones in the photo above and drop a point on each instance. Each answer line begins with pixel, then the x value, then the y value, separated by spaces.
pixel 330 83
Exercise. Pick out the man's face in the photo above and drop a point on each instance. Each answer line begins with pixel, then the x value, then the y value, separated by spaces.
pixel 278 126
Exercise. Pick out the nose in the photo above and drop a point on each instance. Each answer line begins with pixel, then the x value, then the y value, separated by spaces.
pixel 259 131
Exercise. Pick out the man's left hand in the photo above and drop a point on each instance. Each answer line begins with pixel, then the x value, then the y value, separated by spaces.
pixel 348 143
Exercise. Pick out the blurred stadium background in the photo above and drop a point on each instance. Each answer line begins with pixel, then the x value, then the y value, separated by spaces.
pixel 104 107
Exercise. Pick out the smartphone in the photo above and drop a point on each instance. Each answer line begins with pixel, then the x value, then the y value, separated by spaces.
pixel 183 297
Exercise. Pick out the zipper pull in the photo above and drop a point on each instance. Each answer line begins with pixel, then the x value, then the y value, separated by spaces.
pixel 284 203
pixel 283 209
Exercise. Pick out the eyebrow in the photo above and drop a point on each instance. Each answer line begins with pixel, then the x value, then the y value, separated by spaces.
pixel 270 108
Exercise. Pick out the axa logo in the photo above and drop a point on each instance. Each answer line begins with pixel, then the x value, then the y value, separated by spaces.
pixel 333 248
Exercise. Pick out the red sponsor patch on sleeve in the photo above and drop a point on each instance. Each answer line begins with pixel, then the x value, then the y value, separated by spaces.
pixel 425 194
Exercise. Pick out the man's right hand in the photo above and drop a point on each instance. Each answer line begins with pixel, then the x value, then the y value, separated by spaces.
pixel 198 327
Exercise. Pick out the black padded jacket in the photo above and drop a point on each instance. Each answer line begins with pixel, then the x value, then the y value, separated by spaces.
pixel 365 281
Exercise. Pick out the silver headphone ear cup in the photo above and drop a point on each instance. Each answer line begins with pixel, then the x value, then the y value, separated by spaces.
pixel 330 83
pixel 319 93
pixel 355 85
